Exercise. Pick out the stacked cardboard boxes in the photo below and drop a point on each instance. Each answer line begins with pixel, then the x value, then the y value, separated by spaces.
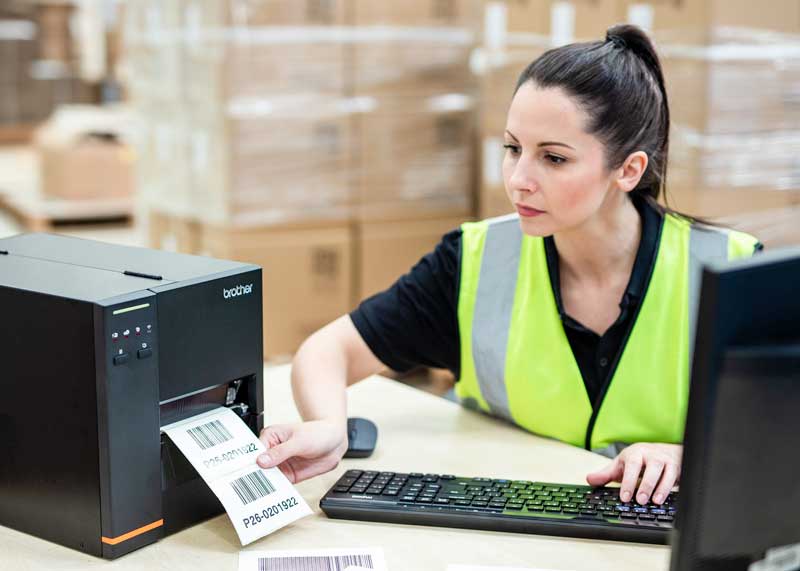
pixel 292 127
pixel 732 70
pixel 37 71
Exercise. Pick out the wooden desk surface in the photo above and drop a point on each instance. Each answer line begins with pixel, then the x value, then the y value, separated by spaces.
pixel 417 433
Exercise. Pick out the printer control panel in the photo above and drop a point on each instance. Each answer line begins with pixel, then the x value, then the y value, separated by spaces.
pixel 131 335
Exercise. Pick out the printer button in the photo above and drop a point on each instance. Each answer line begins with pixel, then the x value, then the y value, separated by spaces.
pixel 144 353
pixel 121 359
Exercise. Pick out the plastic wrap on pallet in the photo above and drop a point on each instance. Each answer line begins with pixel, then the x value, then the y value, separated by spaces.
pixel 270 161
pixel 417 157
pixel 759 160
pixel 745 81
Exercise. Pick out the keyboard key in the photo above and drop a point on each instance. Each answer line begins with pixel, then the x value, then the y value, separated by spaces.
pixel 462 502
pixel 553 510
pixel 628 515
pixel 443 501
pixel 666 518
pixel 448 477
pixel 415 475
pixel 341 489
pixel 647 517
pixel 515 507
pixel 353 473
pixel 424 500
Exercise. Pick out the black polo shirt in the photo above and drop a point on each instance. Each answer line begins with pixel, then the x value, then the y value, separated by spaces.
pixel 415 321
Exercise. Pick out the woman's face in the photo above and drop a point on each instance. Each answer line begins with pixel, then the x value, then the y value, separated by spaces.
pixel 554 172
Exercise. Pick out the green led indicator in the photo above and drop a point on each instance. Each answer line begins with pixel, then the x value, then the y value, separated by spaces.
pixel 132 308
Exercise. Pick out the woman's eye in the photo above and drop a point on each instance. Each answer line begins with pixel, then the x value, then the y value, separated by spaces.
pixel 513 148
pixel 555 159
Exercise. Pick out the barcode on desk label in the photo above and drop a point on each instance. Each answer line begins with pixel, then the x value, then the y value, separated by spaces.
pixel 339 559
pixel 314 563
pixel 210 434
pixel 252 487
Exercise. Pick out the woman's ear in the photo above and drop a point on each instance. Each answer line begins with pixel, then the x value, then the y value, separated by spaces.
pixel 631 171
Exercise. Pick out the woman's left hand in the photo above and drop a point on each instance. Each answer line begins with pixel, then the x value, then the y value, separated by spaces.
pixel 662 468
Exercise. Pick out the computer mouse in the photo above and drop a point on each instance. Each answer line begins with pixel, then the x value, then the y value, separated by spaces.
pixel 362 434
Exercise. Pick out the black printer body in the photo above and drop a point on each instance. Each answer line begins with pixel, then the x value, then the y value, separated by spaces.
pixel 101 346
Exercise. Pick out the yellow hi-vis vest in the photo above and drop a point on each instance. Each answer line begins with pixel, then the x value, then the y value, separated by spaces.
pixel 516 361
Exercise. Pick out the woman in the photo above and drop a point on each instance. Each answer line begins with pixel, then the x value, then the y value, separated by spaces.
pixel 572 319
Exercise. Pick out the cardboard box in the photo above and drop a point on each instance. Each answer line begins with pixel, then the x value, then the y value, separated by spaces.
pixel 706 87
pixel 260 50
pixel 747 161
pixel 721 203
pixel 691 21
pixel 307 276
pixel 55 39
pixel 542 23
pixel 412 63
pixel 416 158
pixel 162 168
pixel 389 249
pixel 263 13
pixel 433 13
pixel 172 233
pixel 294 163
pixel 84 154
pixel 89 168
pixel 500 73
pixel 263 70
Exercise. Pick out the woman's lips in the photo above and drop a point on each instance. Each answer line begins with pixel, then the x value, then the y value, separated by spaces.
pixel 527 211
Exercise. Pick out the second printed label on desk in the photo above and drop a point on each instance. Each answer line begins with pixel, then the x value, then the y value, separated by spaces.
pixel 223 450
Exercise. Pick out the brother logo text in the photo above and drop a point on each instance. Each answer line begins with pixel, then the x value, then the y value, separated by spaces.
pixel 237 291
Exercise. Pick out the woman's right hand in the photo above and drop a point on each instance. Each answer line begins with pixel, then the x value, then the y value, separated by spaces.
pixel 304 449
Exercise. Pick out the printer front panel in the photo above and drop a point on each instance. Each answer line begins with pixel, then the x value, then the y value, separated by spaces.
pixel 127 350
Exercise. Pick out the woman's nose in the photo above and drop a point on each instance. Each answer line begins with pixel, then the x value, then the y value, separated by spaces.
pixel 522 178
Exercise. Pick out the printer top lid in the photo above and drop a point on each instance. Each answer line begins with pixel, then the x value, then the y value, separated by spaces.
pixel 93 271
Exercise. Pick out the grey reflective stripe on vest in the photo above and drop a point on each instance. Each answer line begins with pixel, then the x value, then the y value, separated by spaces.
pixel 705 245
pixel 494 304
pixel 612 450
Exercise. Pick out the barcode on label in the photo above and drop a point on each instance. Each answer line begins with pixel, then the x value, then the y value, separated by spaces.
pixel 210 434
pixel 252 486
pixel 314 563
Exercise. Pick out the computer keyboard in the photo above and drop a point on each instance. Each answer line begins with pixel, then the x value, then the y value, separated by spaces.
pixel 496 504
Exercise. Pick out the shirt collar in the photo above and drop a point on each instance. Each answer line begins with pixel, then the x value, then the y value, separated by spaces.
pixel 652 221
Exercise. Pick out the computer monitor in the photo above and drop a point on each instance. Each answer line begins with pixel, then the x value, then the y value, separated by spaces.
pixel 740 484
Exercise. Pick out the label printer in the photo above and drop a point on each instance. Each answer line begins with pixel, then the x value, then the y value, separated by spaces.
pixel 101 346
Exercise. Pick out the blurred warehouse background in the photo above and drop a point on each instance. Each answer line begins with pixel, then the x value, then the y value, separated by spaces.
pixel 333 142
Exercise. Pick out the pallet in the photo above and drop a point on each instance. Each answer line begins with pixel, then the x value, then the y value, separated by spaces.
pixel 16 134
pixel 21 197
pixel 39 214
